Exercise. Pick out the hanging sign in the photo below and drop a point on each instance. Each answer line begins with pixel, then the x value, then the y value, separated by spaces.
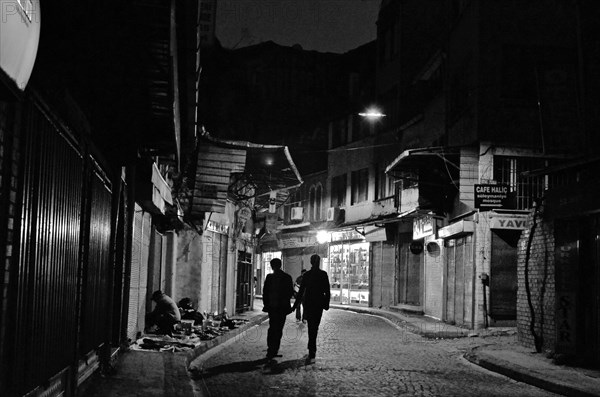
pixel 423 227
pixel 492 196
pixel 508 222
pixel 296 242
pixel 272 202
pixel 346 235
pixel 217 227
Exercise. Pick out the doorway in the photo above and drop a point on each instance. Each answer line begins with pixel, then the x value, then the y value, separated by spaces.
pixel 458 308
pixel 244 282
pixel 503 276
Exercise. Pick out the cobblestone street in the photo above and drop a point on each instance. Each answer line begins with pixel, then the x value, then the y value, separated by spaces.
pixel 358 355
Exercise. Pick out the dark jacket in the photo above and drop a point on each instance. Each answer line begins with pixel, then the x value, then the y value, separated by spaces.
pixel 314 290
pixel 277 291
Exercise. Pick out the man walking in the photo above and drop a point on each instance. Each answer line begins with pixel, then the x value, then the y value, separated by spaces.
pixel 299 317
pixel 314 294
pixel 277 292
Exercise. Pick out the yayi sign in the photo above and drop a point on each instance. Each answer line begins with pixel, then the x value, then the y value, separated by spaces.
pixel 508 222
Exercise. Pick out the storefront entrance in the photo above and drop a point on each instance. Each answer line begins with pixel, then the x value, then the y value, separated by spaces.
pixel 410 265
pixel 503 275
pixel 459 281
pixel 244 282
pixel 349 272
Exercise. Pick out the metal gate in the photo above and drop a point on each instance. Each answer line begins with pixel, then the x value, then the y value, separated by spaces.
pixel 459 281
pixel 409 276
pixel 58 297
pixel 139 274
pixel 382 281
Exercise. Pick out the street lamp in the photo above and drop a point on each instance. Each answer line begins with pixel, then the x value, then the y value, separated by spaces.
pixel 322 236
pixel 372 113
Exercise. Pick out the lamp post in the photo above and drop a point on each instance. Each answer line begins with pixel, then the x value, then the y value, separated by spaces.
pixel 372 113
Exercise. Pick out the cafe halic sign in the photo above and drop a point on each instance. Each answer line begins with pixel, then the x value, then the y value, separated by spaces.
pixel 19 38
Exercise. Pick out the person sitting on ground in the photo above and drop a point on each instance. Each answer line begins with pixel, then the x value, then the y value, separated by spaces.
pixel 188 312
pixel 165 313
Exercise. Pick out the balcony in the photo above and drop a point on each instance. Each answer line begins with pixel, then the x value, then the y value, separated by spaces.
pixel 409 199
pixel 384 206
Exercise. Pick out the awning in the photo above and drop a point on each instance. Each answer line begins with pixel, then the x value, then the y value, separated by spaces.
pixel 241 171
pixel 417 158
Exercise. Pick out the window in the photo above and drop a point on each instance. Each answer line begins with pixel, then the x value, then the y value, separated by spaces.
pixel 338 191
pixel 293 201
pixel 507 170
pixel 384 185
pixel 360 185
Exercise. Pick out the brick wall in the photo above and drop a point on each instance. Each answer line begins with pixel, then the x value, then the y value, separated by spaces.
pixel 541 273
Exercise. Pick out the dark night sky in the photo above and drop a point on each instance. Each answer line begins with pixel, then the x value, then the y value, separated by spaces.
pixel 322 25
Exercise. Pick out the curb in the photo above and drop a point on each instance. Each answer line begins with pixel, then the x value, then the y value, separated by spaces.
pixel 440 333
pixel 525 375
pixel 196 352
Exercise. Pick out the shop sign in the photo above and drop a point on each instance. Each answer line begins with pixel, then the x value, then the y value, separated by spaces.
pixel 458 229
pixel 491 196
pixel 244 214
pixel 297 242
pixel 508 222
pixel 423 227
pixel 217 227
pixel 346 235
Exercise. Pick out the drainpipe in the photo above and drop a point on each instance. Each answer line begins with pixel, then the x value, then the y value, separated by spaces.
pixel 485 281
pixel 381 276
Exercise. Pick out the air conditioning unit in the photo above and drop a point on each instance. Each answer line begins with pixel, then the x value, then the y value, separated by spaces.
pixel 334 213
pixel 297 213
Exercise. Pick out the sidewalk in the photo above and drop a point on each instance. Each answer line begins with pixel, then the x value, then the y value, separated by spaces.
pixel 140 373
